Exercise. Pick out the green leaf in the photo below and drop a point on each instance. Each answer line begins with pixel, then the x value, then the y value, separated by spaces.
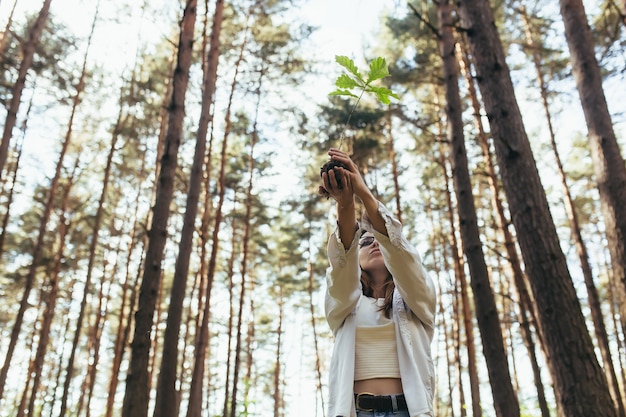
pixel 345 81
pixel 342 93
pixel 348 64
pixel 378 70
pixel 383 94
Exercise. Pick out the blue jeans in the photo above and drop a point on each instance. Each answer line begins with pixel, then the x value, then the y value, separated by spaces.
pixel 382 413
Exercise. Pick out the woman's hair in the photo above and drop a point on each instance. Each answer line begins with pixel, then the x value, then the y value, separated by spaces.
pixel 388 287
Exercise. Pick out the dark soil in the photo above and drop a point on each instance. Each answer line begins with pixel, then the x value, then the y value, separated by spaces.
pixel 330 165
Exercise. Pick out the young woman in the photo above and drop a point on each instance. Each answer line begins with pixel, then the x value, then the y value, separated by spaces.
pixel 380 305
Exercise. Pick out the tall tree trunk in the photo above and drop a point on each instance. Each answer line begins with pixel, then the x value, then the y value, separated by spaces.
pixel 457 322
pixel 28 52
pixel 526 305
pixel 505 399
pixel 195 390
pixel 436 239
pixel 244 268
pixel 50 301
pixel 618 336
pixel 39 244
pixel 127 304
pixel 31 364
pixel 136 397
pixel 464 302
pixel 394 165
pixel 92 245
pixel 318 365
pixel 249 355
pixel 14 168
pixel 581 249
pixel 277 367
pixel 93 340
pixel 166 401
pixel 581 388
pixel 608 163
pixel 231 315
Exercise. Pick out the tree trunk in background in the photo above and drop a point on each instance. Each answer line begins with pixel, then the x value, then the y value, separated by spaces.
pixel 50 300
pixel 459 306
pixel 581 249
pixel 166 401
pixel 122 331
pixel 311 289
pixel 581 388
pixel 195 389
pixel 7 28
pixel 136 397
pixel 13 168
pixel 610 295
pixel 505 399
pixel 461 286
pixel 39 245
pixel 608 163
pixel 437 268
pixel 94 339
pixel 93 243
pixel 277 362
pixel 127 303
pixel 231 315
pixel 246 235
pixel 526 304
pixel 394 165
pixel 28 52
pixel 249 356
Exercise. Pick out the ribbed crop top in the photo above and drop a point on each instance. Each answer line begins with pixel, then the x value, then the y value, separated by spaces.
pixel 376 354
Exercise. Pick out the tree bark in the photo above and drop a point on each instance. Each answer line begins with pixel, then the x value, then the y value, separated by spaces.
pixel 246 235
pixel 394 166
pixel 580 385
pixel 526 306
pixel 505 398
pixel 608 162
pixel 231 315
pixel 277 363
pixel 195 390
pixel 570 209
pixel 166 401
pixel 136 397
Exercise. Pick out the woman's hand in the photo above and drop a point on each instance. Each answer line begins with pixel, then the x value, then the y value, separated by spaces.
pixel 351 175
pixel 354 185
pixel 343 193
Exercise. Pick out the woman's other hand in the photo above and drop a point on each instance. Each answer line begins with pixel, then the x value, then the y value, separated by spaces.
pixel 351 174
pixel 343 193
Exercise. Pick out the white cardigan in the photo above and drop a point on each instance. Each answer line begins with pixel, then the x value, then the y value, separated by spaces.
pixel 414 303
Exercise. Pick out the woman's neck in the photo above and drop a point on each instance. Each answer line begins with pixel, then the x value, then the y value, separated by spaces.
pixel 378 285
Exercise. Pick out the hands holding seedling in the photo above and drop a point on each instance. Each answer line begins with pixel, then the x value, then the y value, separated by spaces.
pixel 347 82
pixel 344 180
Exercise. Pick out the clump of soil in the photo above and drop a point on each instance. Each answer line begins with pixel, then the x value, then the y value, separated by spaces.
pixel 329 166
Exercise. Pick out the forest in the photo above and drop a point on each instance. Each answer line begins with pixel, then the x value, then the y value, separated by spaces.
pixel 163 242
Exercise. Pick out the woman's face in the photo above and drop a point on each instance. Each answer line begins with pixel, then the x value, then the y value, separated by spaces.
pixel 370 257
